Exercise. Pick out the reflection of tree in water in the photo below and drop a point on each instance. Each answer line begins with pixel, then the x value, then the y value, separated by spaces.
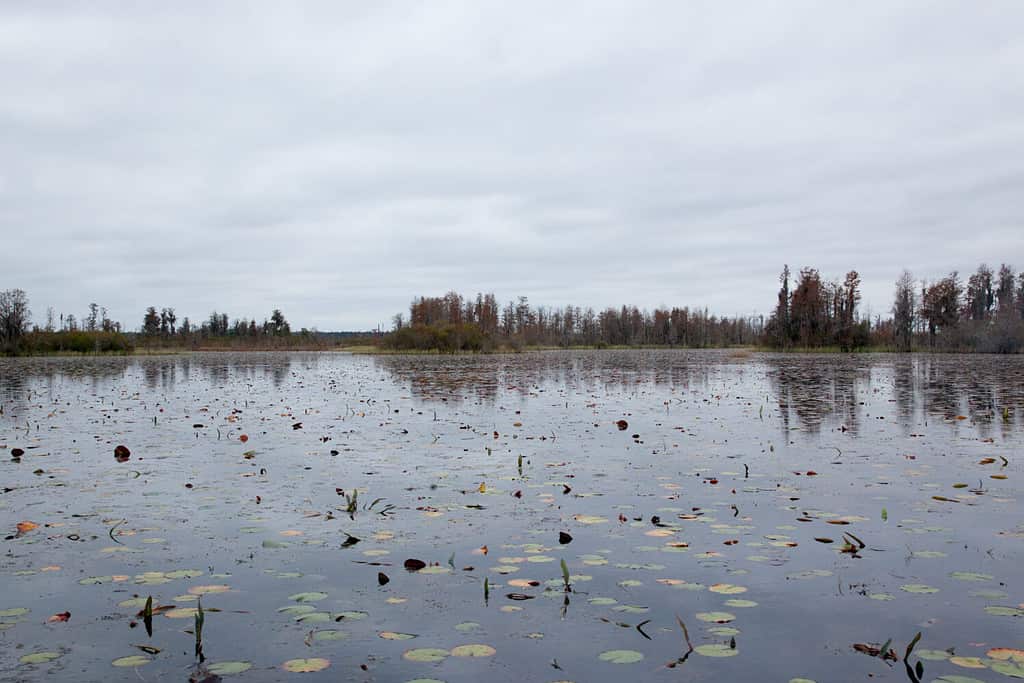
pixel 818 387
pixel 13 389
pixel 27 380
pixel 222 368
pixel 904 387
pixel 987 389
pixel 481 378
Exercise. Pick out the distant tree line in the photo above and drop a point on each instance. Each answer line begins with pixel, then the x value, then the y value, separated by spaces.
pixel 96 332
pixel 986 314
pixel 454 323
pixel 160 328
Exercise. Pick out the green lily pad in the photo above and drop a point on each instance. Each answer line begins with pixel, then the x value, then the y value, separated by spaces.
pixel 312 596
pixel 1001 611
pixel 394 635
pixel 314 618
pixel 352 615
pixel 740 603
pixel 14 612
pixel 716 617
pixel 305 666
pixel 919 588
pixel 133 660
pixel 296 609
pixel 425 654
pixel 1008 669
pixel 716 650
pixel 724 631
pixel 932 655
pixel 474 650
pixel 970 576
pixel 330 634
pixel 228 668
pixel 39 657
pixel 621 656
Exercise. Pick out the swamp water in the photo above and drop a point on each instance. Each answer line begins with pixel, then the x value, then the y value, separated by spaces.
pixel 561 516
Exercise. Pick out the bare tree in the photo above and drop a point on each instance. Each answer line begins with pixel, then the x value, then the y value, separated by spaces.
pixel 14 316
pixel 92 319
pixel 903 311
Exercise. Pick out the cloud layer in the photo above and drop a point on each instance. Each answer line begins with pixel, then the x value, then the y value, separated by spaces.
pixel 335 160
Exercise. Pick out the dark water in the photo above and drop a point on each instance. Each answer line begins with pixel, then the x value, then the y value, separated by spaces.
pixel 704 510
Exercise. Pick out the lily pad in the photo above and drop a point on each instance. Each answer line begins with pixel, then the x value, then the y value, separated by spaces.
pixel 621 656
pixel 1001 611
pixel 305 666
pixel 133 660
pixel 1008 669
pixel 474 650
pixel 307 597
pixel 716 617
pixel 228 668
pixel 39 657
pixel 716 650
pixel 425 654
pixel 330 634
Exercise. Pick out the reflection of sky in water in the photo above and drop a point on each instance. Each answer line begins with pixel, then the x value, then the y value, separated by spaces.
pixel 725 440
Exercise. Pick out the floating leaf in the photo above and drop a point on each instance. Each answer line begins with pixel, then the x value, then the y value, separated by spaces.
pixel 716 650
pixel 305 666
pixel 425 654
pixel 590 519
pixel 1001 611
pixel 968 662
pixel 621 656
pixel 228 668
pixel 1006 653
pixel 394 635
pixel 716 617
pixel 204 590
pixel 330 634
pixel 474 650
pixel 307 597
pixel 133 660
pixel 39 657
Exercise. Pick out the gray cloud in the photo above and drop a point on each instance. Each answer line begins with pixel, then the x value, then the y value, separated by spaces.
pixel 335 160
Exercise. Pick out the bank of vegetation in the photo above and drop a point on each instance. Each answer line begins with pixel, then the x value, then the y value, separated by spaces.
pixel 161 331
pixel 985 314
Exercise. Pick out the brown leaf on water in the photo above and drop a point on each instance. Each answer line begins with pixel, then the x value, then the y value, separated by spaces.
pixel 25 527
pixel 414 565
pixel 63 616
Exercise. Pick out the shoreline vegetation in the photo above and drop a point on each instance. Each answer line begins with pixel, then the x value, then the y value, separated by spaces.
pixel 985 314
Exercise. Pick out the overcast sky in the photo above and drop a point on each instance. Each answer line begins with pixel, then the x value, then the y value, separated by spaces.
pixel 336 159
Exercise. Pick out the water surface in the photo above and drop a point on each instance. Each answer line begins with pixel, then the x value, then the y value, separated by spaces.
pixel 712 507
